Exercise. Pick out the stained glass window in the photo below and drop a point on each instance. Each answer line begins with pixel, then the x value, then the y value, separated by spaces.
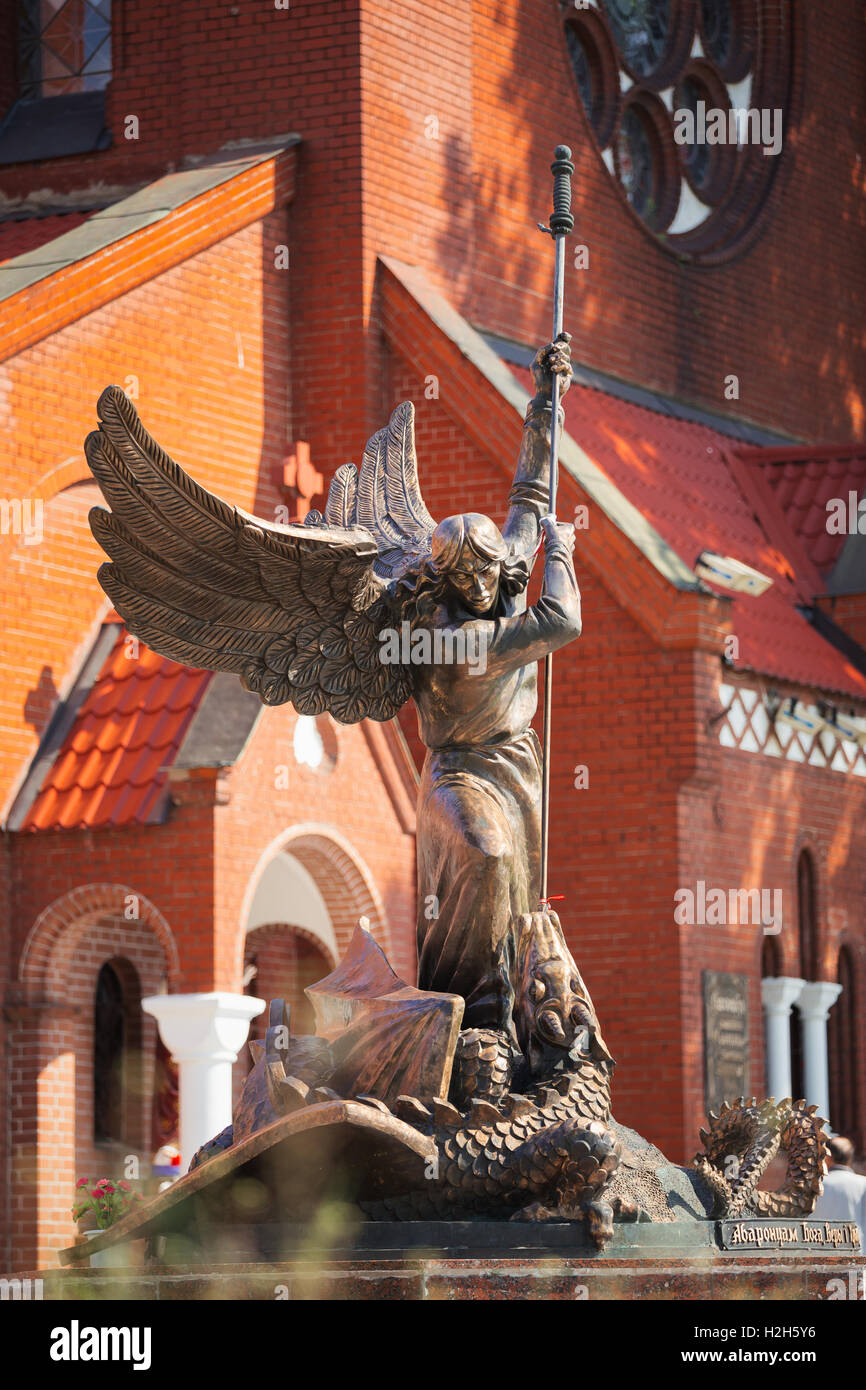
pixel 640 28
pixel 65 46
pixel 637 169
pixel 718 29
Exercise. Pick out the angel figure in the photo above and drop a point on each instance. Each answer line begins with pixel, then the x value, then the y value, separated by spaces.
pixel 301 614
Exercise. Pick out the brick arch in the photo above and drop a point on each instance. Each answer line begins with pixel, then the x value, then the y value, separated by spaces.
pixel 67 917
pixel 788 941
pixel 268 930
pixel 343 879
pixel 64 475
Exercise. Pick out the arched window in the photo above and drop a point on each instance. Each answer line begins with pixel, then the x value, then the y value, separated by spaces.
pixel 842 1049
pixel 807 916
pixel 116 1044
pixel 108 1048
pixel 771 966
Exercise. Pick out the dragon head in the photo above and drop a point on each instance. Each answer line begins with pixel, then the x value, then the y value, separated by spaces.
pixel 553 1012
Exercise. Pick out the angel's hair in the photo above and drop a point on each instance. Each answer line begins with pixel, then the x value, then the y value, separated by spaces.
pixel 428 585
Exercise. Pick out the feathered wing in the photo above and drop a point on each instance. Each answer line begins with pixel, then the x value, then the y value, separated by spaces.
pixel 384 497
pixel 295 611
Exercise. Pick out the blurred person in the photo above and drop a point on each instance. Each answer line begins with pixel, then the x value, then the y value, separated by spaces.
pixel 844 1195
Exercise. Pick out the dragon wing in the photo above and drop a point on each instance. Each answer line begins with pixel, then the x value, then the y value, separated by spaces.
pixel 295 611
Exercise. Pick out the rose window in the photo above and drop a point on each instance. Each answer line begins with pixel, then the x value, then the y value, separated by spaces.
pixel 689 103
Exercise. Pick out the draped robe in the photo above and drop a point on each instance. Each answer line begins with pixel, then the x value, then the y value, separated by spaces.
pixel 479 805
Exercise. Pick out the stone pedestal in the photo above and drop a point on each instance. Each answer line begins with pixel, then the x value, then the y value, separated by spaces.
pixel 492 1261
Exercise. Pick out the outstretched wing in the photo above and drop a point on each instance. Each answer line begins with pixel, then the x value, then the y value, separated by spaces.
pixel 295 611
pixel 384 497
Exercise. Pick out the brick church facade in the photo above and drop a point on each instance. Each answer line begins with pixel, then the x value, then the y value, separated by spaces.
pixel 271 228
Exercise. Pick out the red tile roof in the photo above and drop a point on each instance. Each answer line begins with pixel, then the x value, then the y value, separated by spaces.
pixel 29 233
pixel 803 481
pixel 679 475
pixel 112 766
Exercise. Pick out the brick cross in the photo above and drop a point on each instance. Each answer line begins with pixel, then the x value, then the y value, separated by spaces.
pixel 302 481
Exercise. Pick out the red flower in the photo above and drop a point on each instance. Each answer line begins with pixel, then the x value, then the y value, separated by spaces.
pixel 124 1186
pixel 96 1192
pixel 82 1182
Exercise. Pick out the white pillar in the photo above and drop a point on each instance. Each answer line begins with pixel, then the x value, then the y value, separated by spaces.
pixel 203 1033
pixel 778 993
pixel 814 1005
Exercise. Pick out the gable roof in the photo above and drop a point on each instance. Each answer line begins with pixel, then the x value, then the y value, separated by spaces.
pixel 803 482
pixel 105 758
pixel 133 716
pixel 665 483
pixel 126 244
pixel 679 474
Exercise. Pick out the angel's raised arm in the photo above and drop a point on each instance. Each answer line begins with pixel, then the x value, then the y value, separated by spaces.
pixel 529 497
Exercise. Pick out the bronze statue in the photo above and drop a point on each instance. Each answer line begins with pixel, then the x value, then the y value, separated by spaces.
pixel 495 1066
pixel 317 613
pixel 484 1092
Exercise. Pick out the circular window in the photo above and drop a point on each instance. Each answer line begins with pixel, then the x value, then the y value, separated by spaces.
pixel 314 743
pixel 701 130
pixel 642 161
pixel 689 102
pixel 727 33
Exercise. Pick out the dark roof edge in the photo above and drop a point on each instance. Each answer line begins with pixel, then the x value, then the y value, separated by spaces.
pixel 743 430
pixel 837 637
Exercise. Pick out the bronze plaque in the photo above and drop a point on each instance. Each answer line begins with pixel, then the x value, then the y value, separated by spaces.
pixel 830 1237
pixel 726 1037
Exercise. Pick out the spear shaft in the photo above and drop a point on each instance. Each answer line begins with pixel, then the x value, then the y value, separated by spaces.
pixel 561 223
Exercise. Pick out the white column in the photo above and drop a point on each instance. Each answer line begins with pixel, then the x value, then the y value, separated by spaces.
pixel 203 1033
pixel 778 993
pixel 814 1005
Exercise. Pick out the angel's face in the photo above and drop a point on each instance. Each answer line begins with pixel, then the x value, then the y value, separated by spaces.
pixel 475 581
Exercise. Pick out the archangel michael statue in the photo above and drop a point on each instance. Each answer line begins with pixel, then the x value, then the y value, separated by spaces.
pixel 299 613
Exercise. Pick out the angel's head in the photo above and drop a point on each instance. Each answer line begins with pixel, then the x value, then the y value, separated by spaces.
pixel 469 557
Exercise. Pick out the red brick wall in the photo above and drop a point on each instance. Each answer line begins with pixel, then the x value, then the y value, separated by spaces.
pixel 208 344
pixel 287 961
pixel 198 870
pixel 360 81
pixel 636 312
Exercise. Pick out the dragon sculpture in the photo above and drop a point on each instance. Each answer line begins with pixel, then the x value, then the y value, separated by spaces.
pixel 526 1133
